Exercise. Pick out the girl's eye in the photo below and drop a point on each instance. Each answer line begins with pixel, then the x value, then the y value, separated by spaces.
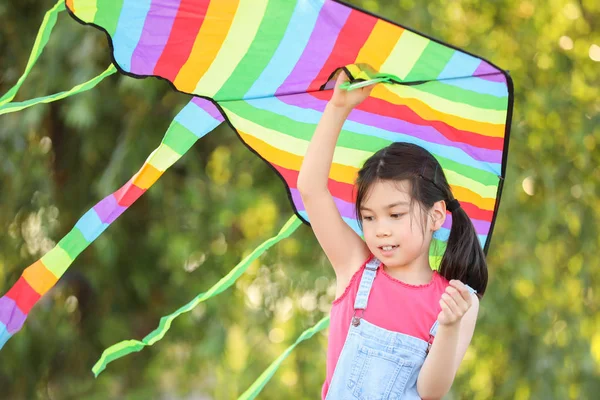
pixel 396 216
pixel 367 218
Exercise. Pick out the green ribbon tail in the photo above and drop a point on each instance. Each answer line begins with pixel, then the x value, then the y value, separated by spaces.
pixel 14 107
pixel 126 347
pixel 40 42
pixel 262 380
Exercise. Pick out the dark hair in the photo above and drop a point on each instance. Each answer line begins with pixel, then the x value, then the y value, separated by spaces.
pixel 464 258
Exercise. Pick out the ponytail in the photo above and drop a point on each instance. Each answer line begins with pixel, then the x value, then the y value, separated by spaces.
pixel 464 259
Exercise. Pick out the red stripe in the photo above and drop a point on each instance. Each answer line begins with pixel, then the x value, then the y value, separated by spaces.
pixel 352 37
pixel 342 191
pixel 188 21
pixel 23 295
pixel 386 109
pixel 128 194
pixel 475 212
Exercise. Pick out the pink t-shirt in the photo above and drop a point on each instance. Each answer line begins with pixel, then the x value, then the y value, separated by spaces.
pixel 393 305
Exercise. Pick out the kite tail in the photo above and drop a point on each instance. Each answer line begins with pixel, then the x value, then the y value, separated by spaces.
pixel 126 347
pixel 40 42
pixel 195 120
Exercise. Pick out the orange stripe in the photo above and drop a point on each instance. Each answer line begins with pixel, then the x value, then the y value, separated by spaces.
pixel 211 36
pixel 39 277
pixel 428 113
pixel 147 176
pixel 380 44
pixel 344 173
pixel 340 173
pixel 464 194
pixel 70 5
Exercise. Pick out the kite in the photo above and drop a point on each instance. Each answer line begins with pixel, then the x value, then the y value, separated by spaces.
pixel 266 68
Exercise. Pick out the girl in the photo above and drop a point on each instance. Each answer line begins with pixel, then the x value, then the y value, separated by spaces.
pixel 389 303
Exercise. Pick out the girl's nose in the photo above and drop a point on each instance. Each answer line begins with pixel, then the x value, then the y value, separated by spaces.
pixel 383 232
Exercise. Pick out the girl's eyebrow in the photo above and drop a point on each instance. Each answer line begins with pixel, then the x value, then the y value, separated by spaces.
pixel 398 203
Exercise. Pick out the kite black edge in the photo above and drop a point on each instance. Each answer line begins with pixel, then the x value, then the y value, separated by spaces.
pixel 288 191
pixel 210 99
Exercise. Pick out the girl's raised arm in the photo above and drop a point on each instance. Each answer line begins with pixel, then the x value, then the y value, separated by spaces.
pixel 343 247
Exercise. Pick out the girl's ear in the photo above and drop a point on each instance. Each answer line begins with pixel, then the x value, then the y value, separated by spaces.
pixel 438 215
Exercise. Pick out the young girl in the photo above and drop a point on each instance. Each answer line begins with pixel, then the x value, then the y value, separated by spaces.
pixel 389 304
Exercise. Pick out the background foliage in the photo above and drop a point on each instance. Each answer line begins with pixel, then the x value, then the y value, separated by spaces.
pixel 538 334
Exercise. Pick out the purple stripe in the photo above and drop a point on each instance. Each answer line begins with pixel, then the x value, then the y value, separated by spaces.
pixel 11 315
pixel 346 209
pixel 481 227
pixel 108 210
pixel 396 125
pixel 485 68
pixel 156 31
pixel 330 22
pixel 209 107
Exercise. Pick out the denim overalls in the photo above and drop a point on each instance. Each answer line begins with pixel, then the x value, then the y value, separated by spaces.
pixel 375 363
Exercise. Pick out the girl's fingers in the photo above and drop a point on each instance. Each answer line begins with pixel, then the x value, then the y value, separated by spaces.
pixel 456 310
pixel 463 304
pixel 462 289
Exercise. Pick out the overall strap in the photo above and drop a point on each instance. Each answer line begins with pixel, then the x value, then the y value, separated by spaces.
pixel 364 289
pixel 436 324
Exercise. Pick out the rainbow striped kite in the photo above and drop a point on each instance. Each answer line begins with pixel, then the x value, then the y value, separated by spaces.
pixel 266 67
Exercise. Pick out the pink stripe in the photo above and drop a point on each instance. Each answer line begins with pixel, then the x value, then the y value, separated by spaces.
pixel 330 22
pixel 155 34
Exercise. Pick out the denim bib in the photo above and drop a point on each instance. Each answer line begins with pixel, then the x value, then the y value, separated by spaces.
pixel 375 363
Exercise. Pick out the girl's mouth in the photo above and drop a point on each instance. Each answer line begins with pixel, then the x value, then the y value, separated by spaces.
pixel 388 250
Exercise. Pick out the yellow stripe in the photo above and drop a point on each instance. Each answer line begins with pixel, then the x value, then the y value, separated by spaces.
pixel 340 173
pixel 440 104
pixel 241 34
pixel 342 156
pixel 423 109
pixel 210 37
pixel 380 44
pixel 464 194
pixel 405 54
pixel 86 10
pixel 478 188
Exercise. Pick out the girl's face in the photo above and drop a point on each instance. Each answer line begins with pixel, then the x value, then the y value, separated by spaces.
pixel 394 231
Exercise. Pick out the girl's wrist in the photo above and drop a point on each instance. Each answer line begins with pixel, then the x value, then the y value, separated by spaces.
pixel 338 109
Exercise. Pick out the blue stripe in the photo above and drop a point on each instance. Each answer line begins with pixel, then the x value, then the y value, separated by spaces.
pixel 304 115
pixel 196 120
pixel 4 335
pixel 478 85
pixel 90 225
pixel 460 64
pixel 441 234
pixel 444 233
pixel 129 30
pixel 350 221
pixel 290 49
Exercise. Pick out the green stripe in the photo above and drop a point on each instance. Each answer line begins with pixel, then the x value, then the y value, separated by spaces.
pixel 179 138
pixel 269 35
pixel 108 15
pixel 40 42
pixel 348 139
pixel 464 96
pixel 264 378
pixel 431 63
pixel 13 107
pixel 129 346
